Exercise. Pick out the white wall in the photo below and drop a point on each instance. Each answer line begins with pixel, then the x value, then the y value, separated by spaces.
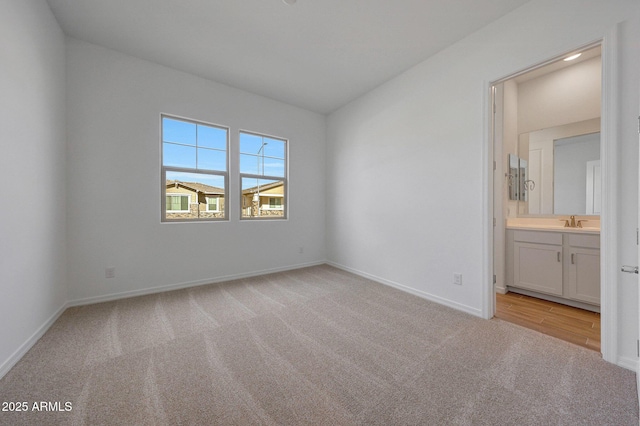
pixel 418 140
pixel 565 96
pixel 114 106
pixel 32 169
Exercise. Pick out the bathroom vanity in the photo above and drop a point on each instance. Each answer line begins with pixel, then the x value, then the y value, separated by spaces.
pixel 556 263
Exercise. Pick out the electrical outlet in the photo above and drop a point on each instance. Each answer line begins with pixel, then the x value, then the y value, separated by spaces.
pixel 457 279
pixel 110 272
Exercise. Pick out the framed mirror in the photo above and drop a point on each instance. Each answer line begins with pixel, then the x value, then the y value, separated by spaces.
pixel 561 170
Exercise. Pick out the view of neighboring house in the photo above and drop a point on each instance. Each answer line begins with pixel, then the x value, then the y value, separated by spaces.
pixel 192 200
pixel 263 200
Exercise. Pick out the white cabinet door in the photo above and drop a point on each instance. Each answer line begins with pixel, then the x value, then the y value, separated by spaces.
pixel 538 267
pixel 584 275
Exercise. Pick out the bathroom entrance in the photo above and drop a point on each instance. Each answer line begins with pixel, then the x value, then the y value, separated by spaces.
pixel 548 197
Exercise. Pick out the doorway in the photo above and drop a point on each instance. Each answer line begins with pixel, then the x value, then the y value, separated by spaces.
pixel 543 273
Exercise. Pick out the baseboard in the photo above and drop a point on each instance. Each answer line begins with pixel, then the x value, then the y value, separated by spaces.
pixel 419 293
pixel 501 290
pixel 8 364
pixel 561 300
pixel 629 363
pixel 153 290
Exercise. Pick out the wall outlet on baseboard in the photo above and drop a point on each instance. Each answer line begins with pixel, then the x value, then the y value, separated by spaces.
pixel 110 272
pixel 457 278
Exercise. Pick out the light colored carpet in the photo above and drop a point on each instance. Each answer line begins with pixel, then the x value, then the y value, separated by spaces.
pixel 313 346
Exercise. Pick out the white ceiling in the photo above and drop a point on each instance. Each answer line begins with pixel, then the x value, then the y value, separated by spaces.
pixel 315 54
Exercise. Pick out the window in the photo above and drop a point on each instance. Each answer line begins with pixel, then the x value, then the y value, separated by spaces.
pixel 263 176
pixel 178 203
pixel 275 203
pixel 194 170
pixel 213 204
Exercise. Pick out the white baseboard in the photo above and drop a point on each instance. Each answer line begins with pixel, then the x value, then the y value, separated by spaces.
pixel 8 364
pixel 501 290
pixel 419 293
pixel 629 363
pixel 153 290
pixel 24 348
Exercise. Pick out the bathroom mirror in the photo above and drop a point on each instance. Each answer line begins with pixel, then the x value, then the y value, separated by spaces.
pixel 561 170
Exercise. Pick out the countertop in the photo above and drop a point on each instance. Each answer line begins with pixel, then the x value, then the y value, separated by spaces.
pixel 556 224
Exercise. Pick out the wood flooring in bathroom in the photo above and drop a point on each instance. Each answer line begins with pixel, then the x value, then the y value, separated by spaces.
pixel 564 322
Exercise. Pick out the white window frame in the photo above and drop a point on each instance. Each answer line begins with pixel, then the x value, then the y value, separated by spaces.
pixel 176 194
pixel 284 179
pixel 208 172
pixel 217 197
pixel 268 205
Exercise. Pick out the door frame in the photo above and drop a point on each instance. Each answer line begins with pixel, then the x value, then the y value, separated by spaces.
pixel 608 227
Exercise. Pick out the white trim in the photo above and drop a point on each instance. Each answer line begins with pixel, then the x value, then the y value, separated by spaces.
pixel 217 210
pixel 629 363
pixel 609 208
pixel 487 158
pixel 164 169
pixel 284 179
pixel 410 290
pixel 178 286
pixel 608 234
pixel 268 205
pixel 179 194
pixel 10 362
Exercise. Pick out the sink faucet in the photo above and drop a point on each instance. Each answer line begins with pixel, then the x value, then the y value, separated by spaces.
pixel 572 223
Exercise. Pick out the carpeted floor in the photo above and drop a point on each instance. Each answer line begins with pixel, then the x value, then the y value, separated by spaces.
pixel 313 346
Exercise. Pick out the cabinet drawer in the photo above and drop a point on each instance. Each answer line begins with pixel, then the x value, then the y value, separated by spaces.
pixel 587 241
pixel 538 237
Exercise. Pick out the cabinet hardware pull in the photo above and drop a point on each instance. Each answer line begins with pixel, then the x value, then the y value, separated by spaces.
pixel 573 258
pixel 630 269
pixel 558 256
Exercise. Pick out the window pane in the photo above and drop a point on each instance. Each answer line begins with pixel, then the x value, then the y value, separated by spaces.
pixel 274 148
pixel 178 155
pixel 209 159
pixel 209 184
pixel 250 144
pixel 257 195
pixel 273 167
pixel 212 137
pixel 250 164
pixel 178 131
pixel 203 190
pixel 259 165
